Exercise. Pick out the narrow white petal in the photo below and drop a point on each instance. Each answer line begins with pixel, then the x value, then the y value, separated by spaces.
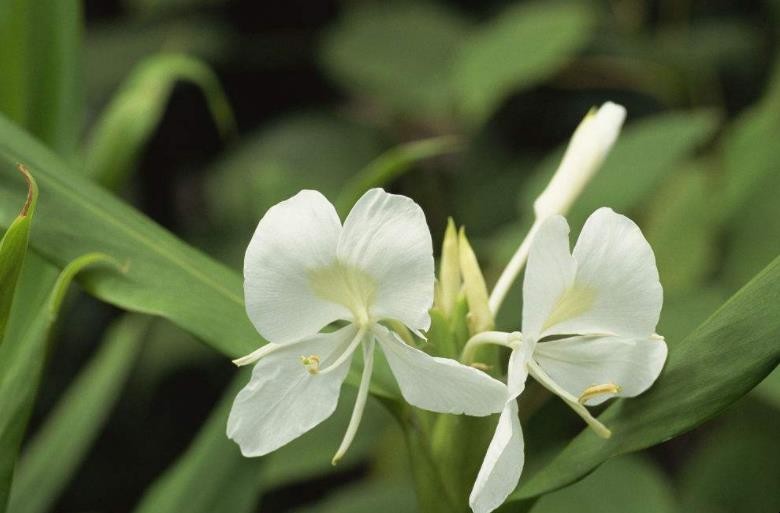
pixel 294 238
pixel 360 401
pixel 440 384
pixel 517 372
pixel 282 399
pixel 616 290
pixel 503 463
pixel 549 275
pixel 580 364
pixel 387 237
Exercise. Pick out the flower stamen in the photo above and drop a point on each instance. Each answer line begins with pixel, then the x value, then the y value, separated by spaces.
pixel 597 390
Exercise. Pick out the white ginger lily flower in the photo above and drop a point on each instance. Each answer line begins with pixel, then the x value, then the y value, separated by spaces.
pixel 303 270
pixel 589 319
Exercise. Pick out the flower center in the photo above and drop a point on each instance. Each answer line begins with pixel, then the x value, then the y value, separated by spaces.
pixel 312 363
pixel 346 285
pixel 575 301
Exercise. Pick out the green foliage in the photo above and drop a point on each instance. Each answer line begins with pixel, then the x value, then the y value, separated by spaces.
pixel 40 52
pixel 130 119
pixel 23 355
pixel 13 249
pixel 397 53
pixel 392 164
pixel 161 275
pixel 735 467
pixel 53 455
pixel 522 46
pixel 629 483
pixel 717 364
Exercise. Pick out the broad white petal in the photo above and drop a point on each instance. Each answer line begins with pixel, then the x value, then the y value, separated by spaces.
pixel 581 363
pixel 616 290
pixel 440 384
pixel 503 463
pixel 294 238
pixel 283 400
pixel 550 273
pixel 387 237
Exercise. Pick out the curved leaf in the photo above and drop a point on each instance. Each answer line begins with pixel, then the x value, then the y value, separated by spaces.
pixel 23 355
pixel 132 116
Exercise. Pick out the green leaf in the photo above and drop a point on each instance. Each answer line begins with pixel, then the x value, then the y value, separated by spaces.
pixel 521 47
pixel 309 150
pixel 736 467
pixel 209 471
pixel 13 249
pixel 23 355
pixel 376 496
pixel 162 275
pixel 627 484
pixel 717 364
pixel 132 116
pixel 754 231
pixel 682 229
pixel 392 164
pixel 54 454
pixel 213 476
pixel 398 53
pixel 40 48
pixel 749 152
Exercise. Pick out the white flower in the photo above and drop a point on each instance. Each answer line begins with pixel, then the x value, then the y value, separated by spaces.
pixel 303 271
pixel 589 319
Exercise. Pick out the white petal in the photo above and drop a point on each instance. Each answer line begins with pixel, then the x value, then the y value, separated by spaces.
pixel 293 238
pixel 550 273
pixel 579 363
pixel 283 400
pixel 518 369
pixel 503 463
pixel 440 384
pixel 616 290
pixel 386 236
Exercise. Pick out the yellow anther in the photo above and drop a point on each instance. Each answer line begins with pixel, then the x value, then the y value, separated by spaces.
pixel 597 390
pixel 481 366
pixel 312 363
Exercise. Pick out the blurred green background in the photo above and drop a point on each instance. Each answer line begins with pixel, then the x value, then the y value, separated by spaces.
pixel 204 113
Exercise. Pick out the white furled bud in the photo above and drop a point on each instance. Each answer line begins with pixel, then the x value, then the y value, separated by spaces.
pixel 589 146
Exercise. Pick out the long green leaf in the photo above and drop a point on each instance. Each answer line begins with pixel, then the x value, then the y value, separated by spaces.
pixel 162 275
pixel 54 454
pixel 717 364
pixel 198 481
pixel 132 116
pixel 13 249
pixel 40 48
pixel 23 356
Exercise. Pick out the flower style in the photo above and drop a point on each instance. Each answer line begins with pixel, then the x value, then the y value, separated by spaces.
pixel 589 320
pixel 303 271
